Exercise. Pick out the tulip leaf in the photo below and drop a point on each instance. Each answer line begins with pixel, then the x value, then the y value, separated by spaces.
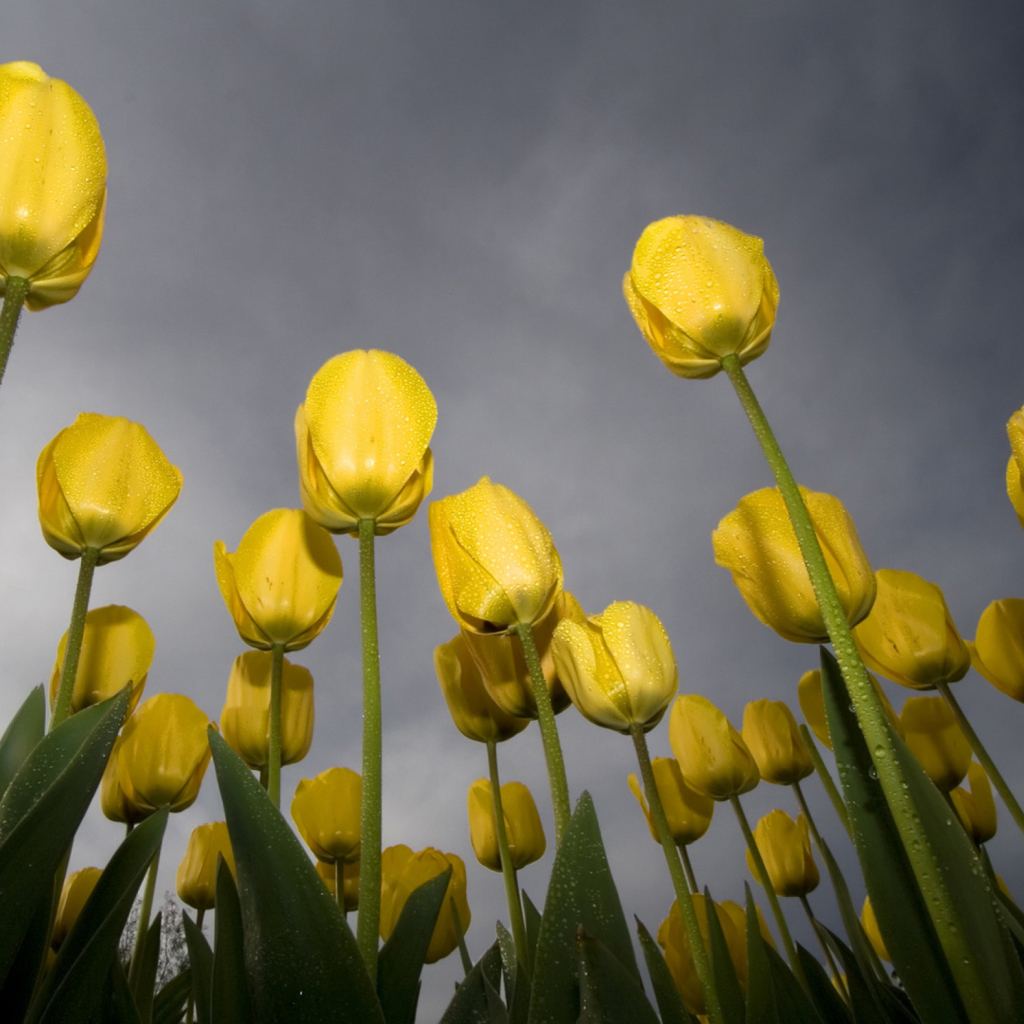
pixel 533 919
pixel 517 984
pixel 169 1004
pixel 826 999
pixel 21 735
pixel 470 1004
pixel 143 995
pixel 401 958
pixel 670 1002
pixel 230 1002
pixel 120 1005
pixel 730 996
pixel 873 1001
pixel 581 892
pixel 74 985
pixel 609 992
pixel 299 952
pixel 200 958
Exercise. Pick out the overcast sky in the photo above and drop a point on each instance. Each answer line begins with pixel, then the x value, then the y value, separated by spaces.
pixel 462 183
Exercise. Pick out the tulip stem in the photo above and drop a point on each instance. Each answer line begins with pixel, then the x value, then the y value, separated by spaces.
pixel 840 983
pixel 15 293
pixel 684 898
pixel 368 925
pixel 826 780
pixel 691 878
pixel 142 927
pixel 274 755
pixel 560 802
pixel 73 648
pixel 467 960
pixel 982 755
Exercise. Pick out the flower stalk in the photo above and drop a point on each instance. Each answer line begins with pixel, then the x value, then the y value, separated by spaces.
pixel 15 293
pixel 274 753
pixel 142 928
pixel 80 608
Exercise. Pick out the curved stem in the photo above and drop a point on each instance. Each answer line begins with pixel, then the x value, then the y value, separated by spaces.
pixel 825 779
pixel 142 929
pixel 15 293
pixel 274 753
pixel 73 648
pixel 684 856
pixel 684 901
pixel 548 731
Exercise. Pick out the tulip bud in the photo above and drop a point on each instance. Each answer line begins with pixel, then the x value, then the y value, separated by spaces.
pixel 117 650
pixel 328 811
pixel 909 637
pixel 757 544
pixel 328 872
pixel 103 484
pixel 688 812
pixel 282 583
pixel 525 833
pixel 78 887
pixel 870 924
pixel 196 879
pixel 495 561
pixel 1015 467
pixel 53 173
pixel 934 738
pixel 976 809
pixel 362 437
pixel 998 649
pixel 245 719
pixel 772 737
pixel 700 290
pixel 402 872
pixel 617 667
pixel 712 756
pixel 785 848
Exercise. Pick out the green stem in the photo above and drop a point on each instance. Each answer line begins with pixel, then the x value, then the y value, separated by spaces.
pixel 274 754
pixel 684 899
pixel 840 983
pixel 15 293
pixel 368 926
pixel 467 962
pixel 691 878
pixel 995 777
pixel 69 670
pixel 769 889
pixel 142 929
pixel 508 871
pixel 265 776
pixel 826 780
pixel 339 886
pixel 560 802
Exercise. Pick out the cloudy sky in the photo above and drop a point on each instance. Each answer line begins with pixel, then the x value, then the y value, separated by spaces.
pixel 462 184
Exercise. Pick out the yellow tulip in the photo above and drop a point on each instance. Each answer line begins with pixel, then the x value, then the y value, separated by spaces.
pixel 785 848
pixel 245 719
pixel 53 191
pixel 688 812
pixel 495 560
pixel 362 437
pixel 117 649
pixel 909 637
pixel 712 756
pixel 402 872
pixel 700 290
pixel 523 828
pixel 328 872
pixel 328 811
pixel 1015 467
pixel 812 704
pixel 78 887
pixel 103 484
pixel 998 649
pixel 870 923
pixel 771 735
pixel 196 878
pixel 475 714
pixel 976 809
pixel 934 738
pixel 114 802
pixel 282 583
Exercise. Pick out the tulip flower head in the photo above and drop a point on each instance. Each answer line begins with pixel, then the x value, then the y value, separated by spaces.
pixel 998 649
pixel 812 705
pixel 975 808
pixel 328 811
pixel 53 184
pixel 328 873
pixel 712 756
pixel 523 828
pixel 785 848
pixel 935 739
pixel 910 637
pixel 688 812
pixel 700 290
pixel 245 719
pixel 78 887
pixel 282 583
pixel 103 484
pixel 196 878
pixel 117 650
pixel 1015 467
pixel 771 735
pixel 362 437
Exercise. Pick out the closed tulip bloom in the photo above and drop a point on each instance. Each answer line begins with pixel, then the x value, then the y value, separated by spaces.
pixel 976 809
pixel 328 811
pixel 756 543
pixel 78 887
pixel 495 561
pixel 1015 467
pixel 870 923
pixel 245 719
pixel 910 637
pixel 117 650
pixel 712 756
pixel 53 184
pixel 328 873
pixel 196 878
pixel 785 848
pixel 103 484
pixel 812 705
pixel 523 828
pixel 771 735
pixel 998 649
pixel 688 812
pixel 114 803
pixel 282 583
pixel 935 739
pixel 700 290
pixel 402 872
pixel 362 437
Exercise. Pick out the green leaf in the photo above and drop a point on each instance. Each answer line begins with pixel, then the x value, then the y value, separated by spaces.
pixel 147 976
pixel 609 992
pixel 200 958
pixel 74 985
pixel 401 958
pixel 874 1002
pixel 727 984
pixel 532 916
pixel 471 1004
pixel 118 1003
pixel 670 1002
pixel 169 1004
pixel 230 1001
pixel 300 955
pixel 826 999
pixel 581 892
pixel 20 737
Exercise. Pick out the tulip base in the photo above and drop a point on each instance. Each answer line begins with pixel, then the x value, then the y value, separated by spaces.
pixel 15 293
